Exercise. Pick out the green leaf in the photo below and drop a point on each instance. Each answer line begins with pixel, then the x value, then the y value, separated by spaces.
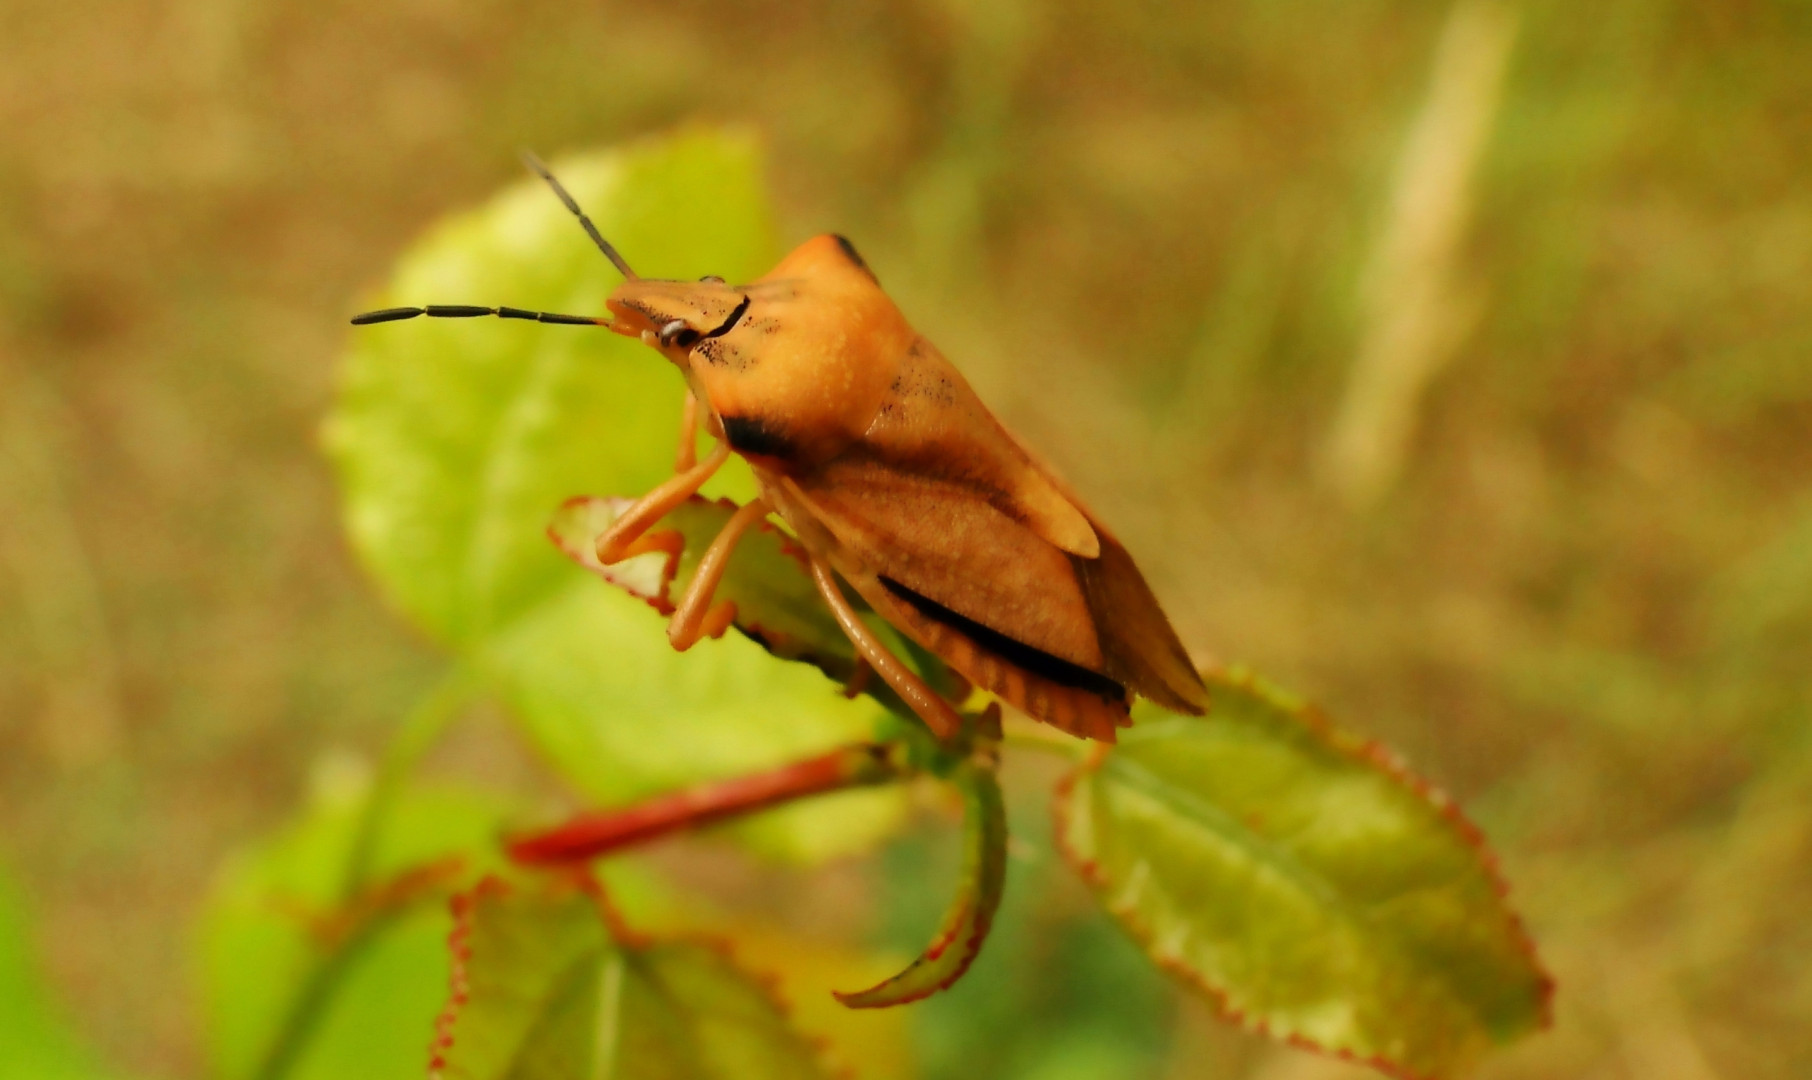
pixel 276 916
pixel 984 874
pixel 456 440
pixel 545 990
pixel 1305 882
pixel 35 1043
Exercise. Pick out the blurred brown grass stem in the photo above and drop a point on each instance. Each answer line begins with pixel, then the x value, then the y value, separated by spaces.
pixel 60 604
pixel 1415 308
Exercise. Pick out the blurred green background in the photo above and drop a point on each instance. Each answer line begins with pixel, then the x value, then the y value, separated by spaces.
pixel 1452 364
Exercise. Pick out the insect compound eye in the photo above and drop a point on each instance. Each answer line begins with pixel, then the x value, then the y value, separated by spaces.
pixel 713 279
pixel 678 333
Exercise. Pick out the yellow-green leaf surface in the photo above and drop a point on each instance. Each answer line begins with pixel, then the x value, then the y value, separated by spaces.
pixel 456 441
pixel 545 991
pixel 276 915
pixel 1305 882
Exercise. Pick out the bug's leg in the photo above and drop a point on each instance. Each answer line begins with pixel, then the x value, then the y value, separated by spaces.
pixel 688 435
pixel 613 545
pixel 858 679
pixel 669 542
pixel 935 711
pixel 696 617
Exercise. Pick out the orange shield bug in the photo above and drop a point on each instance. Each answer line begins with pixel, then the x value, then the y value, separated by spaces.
pixel 894 477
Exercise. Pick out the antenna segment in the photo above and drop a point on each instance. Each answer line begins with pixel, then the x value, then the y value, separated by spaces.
pixel 534 163
pixel 468 311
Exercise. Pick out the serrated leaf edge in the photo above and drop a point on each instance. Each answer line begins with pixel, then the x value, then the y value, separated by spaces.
pixel 464 905
pixel 1368 751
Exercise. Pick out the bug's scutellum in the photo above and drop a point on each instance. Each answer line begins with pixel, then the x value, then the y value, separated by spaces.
pixel 895 479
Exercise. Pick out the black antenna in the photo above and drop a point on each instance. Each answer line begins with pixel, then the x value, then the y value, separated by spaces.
pixel 468 311
pixel 533 162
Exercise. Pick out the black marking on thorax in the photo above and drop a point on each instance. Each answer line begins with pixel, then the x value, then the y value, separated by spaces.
pixel 716 349
pixel 725 327
pixel 753 435
pixel 1036 661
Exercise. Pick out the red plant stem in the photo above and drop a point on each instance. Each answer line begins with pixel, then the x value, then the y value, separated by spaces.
pixel 590 835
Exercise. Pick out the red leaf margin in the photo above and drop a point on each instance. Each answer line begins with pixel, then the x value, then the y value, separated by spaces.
pixel 463 907
pixel 968 921
pixel 1367 752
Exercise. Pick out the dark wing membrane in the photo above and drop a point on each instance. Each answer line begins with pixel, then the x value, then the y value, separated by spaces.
pixel 1018 653
pixel 1074 699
